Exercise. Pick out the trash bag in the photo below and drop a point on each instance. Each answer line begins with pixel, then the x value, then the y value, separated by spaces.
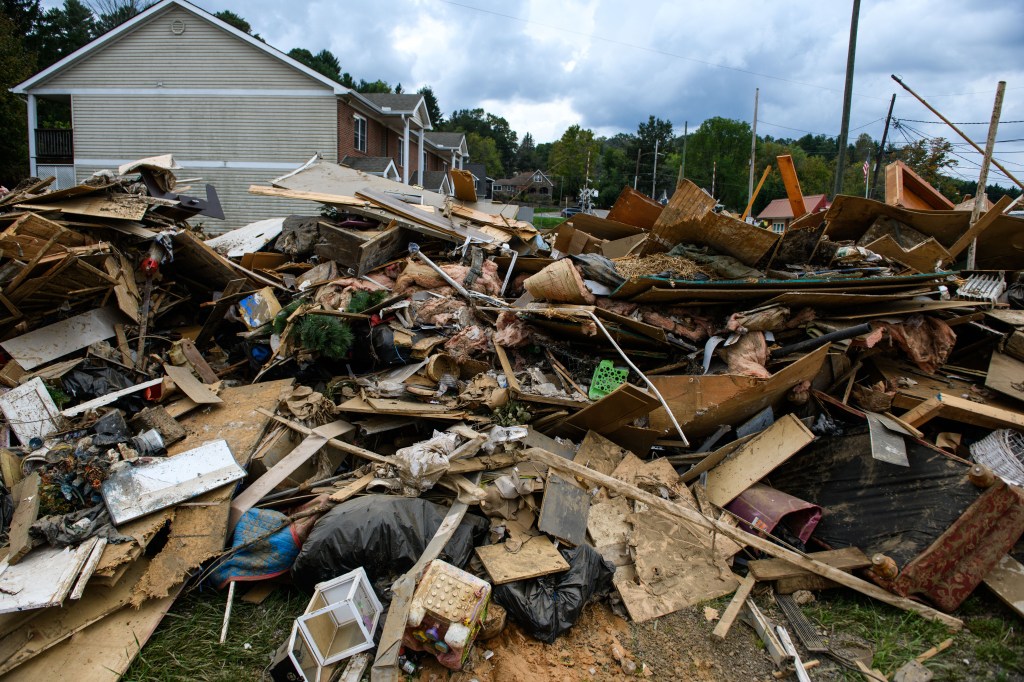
pixel 548 606
pixel 1015 294
pixel 93 382
pixel 262 553
pixel 383 534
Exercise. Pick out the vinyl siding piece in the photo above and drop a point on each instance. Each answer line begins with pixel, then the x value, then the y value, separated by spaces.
pixel 274 129
pixel 203 56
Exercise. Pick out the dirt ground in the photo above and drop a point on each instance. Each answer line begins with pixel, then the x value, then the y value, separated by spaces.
pixel 675 647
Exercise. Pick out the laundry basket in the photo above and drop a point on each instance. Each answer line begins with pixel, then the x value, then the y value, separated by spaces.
pixel 1002 451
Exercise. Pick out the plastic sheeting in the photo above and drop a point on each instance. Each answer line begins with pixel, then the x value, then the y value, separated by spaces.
pixel 383 534
pixel 548 606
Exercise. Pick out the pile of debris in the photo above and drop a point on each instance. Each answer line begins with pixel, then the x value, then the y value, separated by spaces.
pixel 432 416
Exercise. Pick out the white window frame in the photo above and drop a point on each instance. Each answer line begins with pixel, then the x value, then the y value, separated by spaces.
pixel 359 127
pixel 778 227
pixel 401 150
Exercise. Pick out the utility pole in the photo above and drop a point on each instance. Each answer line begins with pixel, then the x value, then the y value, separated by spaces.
pixel 753 149
pixel 714 172
pixel 682 166
pixel 636 173
pixel 844 132
pixel 986 161
pixel 881 151
pixel 654 173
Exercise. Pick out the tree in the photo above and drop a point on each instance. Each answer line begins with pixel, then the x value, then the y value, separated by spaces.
pixel 112 13
pixel 433 109
pixel 229 17
pixel 615 171
pixel 653 137
pixel 484 150
pixel 374 86
pixel 16 64
pixel 22 14
pixel 60 31
pixel 488 125
pixel 570 157
pixel 323 62
pixel 720 147
pixel 526 155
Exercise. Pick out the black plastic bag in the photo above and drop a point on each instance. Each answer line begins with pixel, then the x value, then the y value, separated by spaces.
pixel 382 533
pixel 93 382
pixel 548 606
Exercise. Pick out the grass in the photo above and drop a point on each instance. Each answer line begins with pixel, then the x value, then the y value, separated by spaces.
pixel 547 223
pixel 186 645
pixel 991 645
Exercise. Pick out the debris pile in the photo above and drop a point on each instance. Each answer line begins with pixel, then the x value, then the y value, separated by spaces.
pixel 435 418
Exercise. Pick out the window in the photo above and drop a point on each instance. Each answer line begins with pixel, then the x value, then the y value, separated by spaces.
pixel 360 133
pixel 778 227
pixel 401 151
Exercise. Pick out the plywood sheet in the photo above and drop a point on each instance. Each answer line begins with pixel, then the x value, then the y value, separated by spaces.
pixel 702 403
pixel 619 408
pixel 43 578
pixel 635 208
pixel 1006 375
pixel 756 458
pixel 1007 581
pixel 30 411
pixel 599 453
pixel 190 386
pixel 682 215
pixel 536 556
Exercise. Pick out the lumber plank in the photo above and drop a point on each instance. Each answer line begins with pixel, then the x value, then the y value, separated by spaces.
pixel 733 610
pixel 963 410
pixel 756 458
pixel 190 386
pixel 1007 581
pixel 700 521
pixel 792 183
pixel 845 559
pixel 536 556
pixel 27 494
pixel 353 488
pixel 984 222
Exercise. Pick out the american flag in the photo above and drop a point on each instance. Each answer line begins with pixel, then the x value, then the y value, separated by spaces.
pixel 866 166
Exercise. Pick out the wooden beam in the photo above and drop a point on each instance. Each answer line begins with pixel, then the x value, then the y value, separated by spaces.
pixel 700 521
pixel 963 410
pixel 733 610
pixel 789 178
pixel 977 228
pixel 757 190
pixel 27 495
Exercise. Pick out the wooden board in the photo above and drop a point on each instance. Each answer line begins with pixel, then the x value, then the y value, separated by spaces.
pixel 563 510
pixel 792 184
pixel 1006 375
pixel 682 215
pixel 599 453
pixel 114 206
pixel 1007 581
pixel 43 578
pixel 190 386
pixel 702 403
pixel 462 184
pixel 101 652
pixel 924 257
pixel 619 408
pixel 733 610
pixel 635 208
pixel 756 458
pixel 30 411
pixel 26 497
pixel 536 556
pixel 963 410
pixel 846 559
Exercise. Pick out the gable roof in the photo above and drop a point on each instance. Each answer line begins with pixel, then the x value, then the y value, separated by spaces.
pixel 780 208
pixel 371 164
pixel 391 104
pixel 523 179
pixel 435 181
pixel 152 12
pixel 447 140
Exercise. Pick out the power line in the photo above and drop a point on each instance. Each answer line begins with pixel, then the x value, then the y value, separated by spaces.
pixel 959 123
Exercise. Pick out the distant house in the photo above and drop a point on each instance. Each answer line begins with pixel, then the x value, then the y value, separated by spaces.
pixel 529 186
pixel 231 109
pixel 448 147
pixel 481 182
pixel 779 214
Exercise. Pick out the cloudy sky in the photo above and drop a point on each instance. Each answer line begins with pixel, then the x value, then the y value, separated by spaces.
pixel 608 64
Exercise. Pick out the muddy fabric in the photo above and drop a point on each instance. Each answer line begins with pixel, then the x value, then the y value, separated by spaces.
pixel 724 267
pixel 298 235
pixel 747 356
pixel 927 341
pixel 267 547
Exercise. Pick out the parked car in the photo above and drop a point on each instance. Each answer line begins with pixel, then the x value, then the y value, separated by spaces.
pixel 570 211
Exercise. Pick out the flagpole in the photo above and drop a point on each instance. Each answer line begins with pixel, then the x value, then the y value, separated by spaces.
pixel 867 165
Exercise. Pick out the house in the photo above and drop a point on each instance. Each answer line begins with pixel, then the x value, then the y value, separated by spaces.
pixel 481 182
pixel 384 166
pixel 434 181
pixel 778 214
pixel 529 186
pixel 451 144
pixel 232 110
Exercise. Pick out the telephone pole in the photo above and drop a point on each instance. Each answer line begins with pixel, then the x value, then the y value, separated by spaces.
pixel 844 132
pixel 753 149
pixel 881 150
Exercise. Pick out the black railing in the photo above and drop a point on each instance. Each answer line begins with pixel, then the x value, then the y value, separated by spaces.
pixel 55 145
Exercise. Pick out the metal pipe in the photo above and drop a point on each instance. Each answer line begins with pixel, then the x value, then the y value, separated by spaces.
pixel 818 342
pixel 651 386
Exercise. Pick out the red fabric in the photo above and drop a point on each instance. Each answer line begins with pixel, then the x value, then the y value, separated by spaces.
pixel 949 570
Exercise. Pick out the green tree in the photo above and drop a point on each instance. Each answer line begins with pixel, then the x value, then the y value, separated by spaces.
pixel 22 14
pixel 323 62
pixel 488 125
pixel 720 150
pixel 615 172
pixel 16 64
pixel 929 158
pixel 112 13
pixel 60 31
pixel 484 150
pixel 570 156
pixel 526 155
pixel 433 109
pixel 377 86
pixel 229 17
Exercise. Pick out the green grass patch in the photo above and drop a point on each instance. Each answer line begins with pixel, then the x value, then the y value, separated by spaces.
pixel 547 223
pixel 991 645
pixel 186 645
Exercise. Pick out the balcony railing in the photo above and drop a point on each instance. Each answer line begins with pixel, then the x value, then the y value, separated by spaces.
pixel 55 145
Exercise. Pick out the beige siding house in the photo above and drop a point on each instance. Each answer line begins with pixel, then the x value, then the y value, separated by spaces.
pixel 175 79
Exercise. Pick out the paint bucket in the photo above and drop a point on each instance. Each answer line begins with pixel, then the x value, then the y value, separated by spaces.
pixel 559 283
